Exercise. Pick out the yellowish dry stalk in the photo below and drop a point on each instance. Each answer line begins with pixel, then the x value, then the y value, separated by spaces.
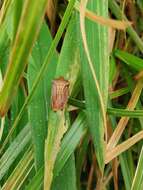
pixel 124 120
pixel 121 25
pixel 123 147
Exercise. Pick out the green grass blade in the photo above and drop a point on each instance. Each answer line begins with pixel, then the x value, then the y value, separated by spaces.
pixel 131 60
pixel 36 181
pixel 15 108
pixel 14 150
pixel 29 26
pixel 38 109
pixel 20 171
pixel 138 178
pixel 43 68
pixel 68 67
pixel 4 11
pixel 72 138
pixel 112 111
pixel 67 176
pixel 125 112
pixel 125 171
pixel 98 49
pixel 80 158
pixel 120 92
pixel 17 15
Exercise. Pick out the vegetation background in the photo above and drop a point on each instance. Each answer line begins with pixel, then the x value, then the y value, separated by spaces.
pixel 96 141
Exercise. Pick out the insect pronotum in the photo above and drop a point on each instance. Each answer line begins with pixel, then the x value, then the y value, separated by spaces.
pixel 60 93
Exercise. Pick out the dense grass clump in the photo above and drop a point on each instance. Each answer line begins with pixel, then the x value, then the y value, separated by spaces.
pixel 71 97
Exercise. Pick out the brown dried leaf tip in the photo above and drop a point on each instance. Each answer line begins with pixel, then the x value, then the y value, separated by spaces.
pixel 60 93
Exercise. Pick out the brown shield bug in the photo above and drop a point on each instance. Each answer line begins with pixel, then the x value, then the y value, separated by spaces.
pixel 60 93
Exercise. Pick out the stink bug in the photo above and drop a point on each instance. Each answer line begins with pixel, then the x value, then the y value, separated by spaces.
pixel 60 93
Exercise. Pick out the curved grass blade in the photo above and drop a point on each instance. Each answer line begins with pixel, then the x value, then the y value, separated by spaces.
pixel 97 41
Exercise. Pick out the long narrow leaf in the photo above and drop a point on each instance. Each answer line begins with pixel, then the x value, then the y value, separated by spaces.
pixel 72 138
pixel 97 41
pixel 138 178
pixel 14 150
pixel 28 27
pixel 38 109
pixel 131 60
pixel 68 67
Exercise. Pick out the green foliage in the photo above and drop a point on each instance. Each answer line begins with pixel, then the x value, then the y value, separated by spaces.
pixel 67 149
pixel 41 98
pixel 98 49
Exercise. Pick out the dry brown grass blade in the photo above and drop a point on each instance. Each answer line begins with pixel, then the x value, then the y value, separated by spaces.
pixel 123 146
pixel 121 25
pixel 109 177
pixel 90 178
pixel 124 120
pixel 139 75
pixel 115 173
pixel 99 177
pixel 115 162
pixel 112 35
pixel 51 13
pixel 107 180
pixel 83 33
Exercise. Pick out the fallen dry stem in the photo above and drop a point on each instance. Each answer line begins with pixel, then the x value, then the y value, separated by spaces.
pixel 124 120
pixel 121 25
pixel 123 147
